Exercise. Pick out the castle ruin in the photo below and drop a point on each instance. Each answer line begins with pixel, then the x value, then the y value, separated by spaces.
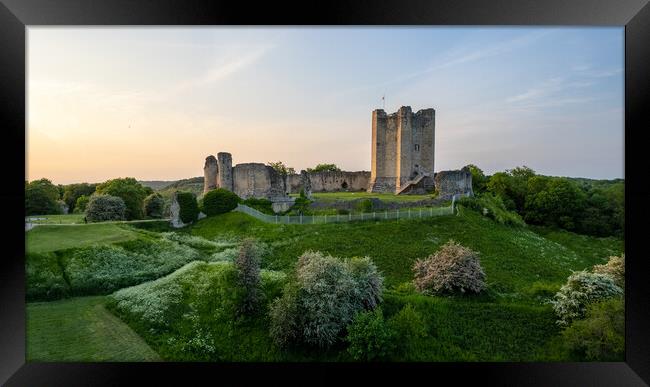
pixel 402 162
pixel 403 146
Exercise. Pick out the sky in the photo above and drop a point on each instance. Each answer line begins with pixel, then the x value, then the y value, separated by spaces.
pixel 153 103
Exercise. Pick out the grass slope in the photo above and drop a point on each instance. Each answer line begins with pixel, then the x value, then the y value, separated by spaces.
pixel 51 238
pixel 81 329
pixel 516 260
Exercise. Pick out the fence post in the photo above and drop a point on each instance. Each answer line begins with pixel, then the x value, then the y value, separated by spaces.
pixel 338 217
pixel 350 216
pixel 287 219
pixel 276 219
pixel 301 218
pixel 386 214
pixel 325 218
pixel 373 215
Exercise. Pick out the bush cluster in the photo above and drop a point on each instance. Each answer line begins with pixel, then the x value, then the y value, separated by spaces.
pixel 219 201
pixel 373 338
pixel 154 206
pixel 41 198
pixel 601 335
pixel 454 268
pixel 130 191
pixel 582 288
pixel 327 294
pixel 105 207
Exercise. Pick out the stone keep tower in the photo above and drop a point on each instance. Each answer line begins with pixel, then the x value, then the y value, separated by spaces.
pixel 217 172
pixel 403 146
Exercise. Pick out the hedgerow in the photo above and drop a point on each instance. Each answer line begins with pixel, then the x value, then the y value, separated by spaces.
pixel 492 206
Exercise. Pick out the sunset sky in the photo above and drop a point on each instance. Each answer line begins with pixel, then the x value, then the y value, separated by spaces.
pixel 152 103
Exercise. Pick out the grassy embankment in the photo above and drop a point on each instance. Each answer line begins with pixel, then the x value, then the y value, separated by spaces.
pixel 510 322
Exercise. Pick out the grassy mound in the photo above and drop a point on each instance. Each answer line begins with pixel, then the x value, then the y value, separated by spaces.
pixel 189 314
pixel 104 268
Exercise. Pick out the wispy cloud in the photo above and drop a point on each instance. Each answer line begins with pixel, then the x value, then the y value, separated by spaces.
pixel 461 56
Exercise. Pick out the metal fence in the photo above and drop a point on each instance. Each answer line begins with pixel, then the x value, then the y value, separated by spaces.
pixel 320 219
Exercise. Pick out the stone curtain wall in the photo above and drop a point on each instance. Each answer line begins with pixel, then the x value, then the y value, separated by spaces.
pixel 257 180
pixel 449 183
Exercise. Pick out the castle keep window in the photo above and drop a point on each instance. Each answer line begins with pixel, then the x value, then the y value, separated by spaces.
pixel 417 147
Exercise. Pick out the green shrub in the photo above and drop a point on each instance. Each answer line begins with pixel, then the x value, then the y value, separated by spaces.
pixel 326 296
pixel 105 207
pixel 189 208
pixel 615 268
pixel 154 205
pixel 131 192
pixel 454 268
pixel 44 277
pixel 601 335
pixel 582 288
pixel 248 274
pixel 370 337
pixel 219 201
pixel 492 206
pixel 408 328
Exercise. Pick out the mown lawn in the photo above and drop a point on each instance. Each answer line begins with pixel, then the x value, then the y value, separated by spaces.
pixel 50 238
pixel 56 219
pixel 81 329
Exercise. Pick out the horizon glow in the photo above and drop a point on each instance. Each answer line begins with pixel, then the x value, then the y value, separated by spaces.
pixel 153 103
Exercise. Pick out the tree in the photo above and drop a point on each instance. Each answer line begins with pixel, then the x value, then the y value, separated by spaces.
pixel 41 198
pixel 189 207
pixel 154 205
pixel 324 168
pixel 105 207
pixel 219 201
pixel 512 186
pixel 72 192
pixel 559 203
pixel 248 274
pixel 479 180
pixel 281 168
pixel 81 204
pixel 130 190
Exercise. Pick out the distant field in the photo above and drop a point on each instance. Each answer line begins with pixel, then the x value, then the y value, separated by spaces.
pixel 43 239
pixel 81 329
pixel 333 196
pixel 55 219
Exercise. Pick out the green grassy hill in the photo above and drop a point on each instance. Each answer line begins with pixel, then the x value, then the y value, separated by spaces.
pixel 511 321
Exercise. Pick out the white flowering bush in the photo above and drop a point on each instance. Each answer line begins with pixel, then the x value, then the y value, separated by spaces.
pixel 582 289
pixel 615 268
pixel 326 296
pixel 453 268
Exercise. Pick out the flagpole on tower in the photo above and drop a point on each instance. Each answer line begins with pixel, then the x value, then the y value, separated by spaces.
pixel 383 101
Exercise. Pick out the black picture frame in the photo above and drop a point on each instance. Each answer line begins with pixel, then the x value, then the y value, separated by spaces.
pixel 16 15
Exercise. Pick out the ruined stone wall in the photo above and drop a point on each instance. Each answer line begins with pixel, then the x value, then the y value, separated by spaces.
pixel 224 178
pixel 329 181
pixel 257 180
pixel 449 183
pixel 210 171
